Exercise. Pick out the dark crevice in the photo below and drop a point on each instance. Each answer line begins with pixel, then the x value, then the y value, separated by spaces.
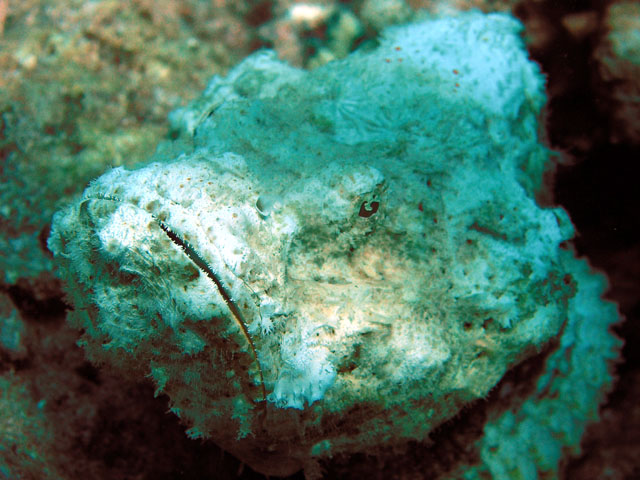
pixel 33 308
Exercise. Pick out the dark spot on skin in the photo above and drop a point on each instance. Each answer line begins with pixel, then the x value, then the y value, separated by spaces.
pixel 152 206
pixel 367 210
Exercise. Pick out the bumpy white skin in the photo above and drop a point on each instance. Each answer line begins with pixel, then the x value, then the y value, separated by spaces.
pixel 371 222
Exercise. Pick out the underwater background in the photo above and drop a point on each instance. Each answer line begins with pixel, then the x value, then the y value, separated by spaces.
pixel 87 86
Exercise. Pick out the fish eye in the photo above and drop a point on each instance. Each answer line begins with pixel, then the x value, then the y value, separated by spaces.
pixel 368 208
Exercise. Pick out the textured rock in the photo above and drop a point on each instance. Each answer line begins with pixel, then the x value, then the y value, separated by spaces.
pixel 618 56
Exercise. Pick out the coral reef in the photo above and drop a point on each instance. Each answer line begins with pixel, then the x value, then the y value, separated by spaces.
pixel 85 87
